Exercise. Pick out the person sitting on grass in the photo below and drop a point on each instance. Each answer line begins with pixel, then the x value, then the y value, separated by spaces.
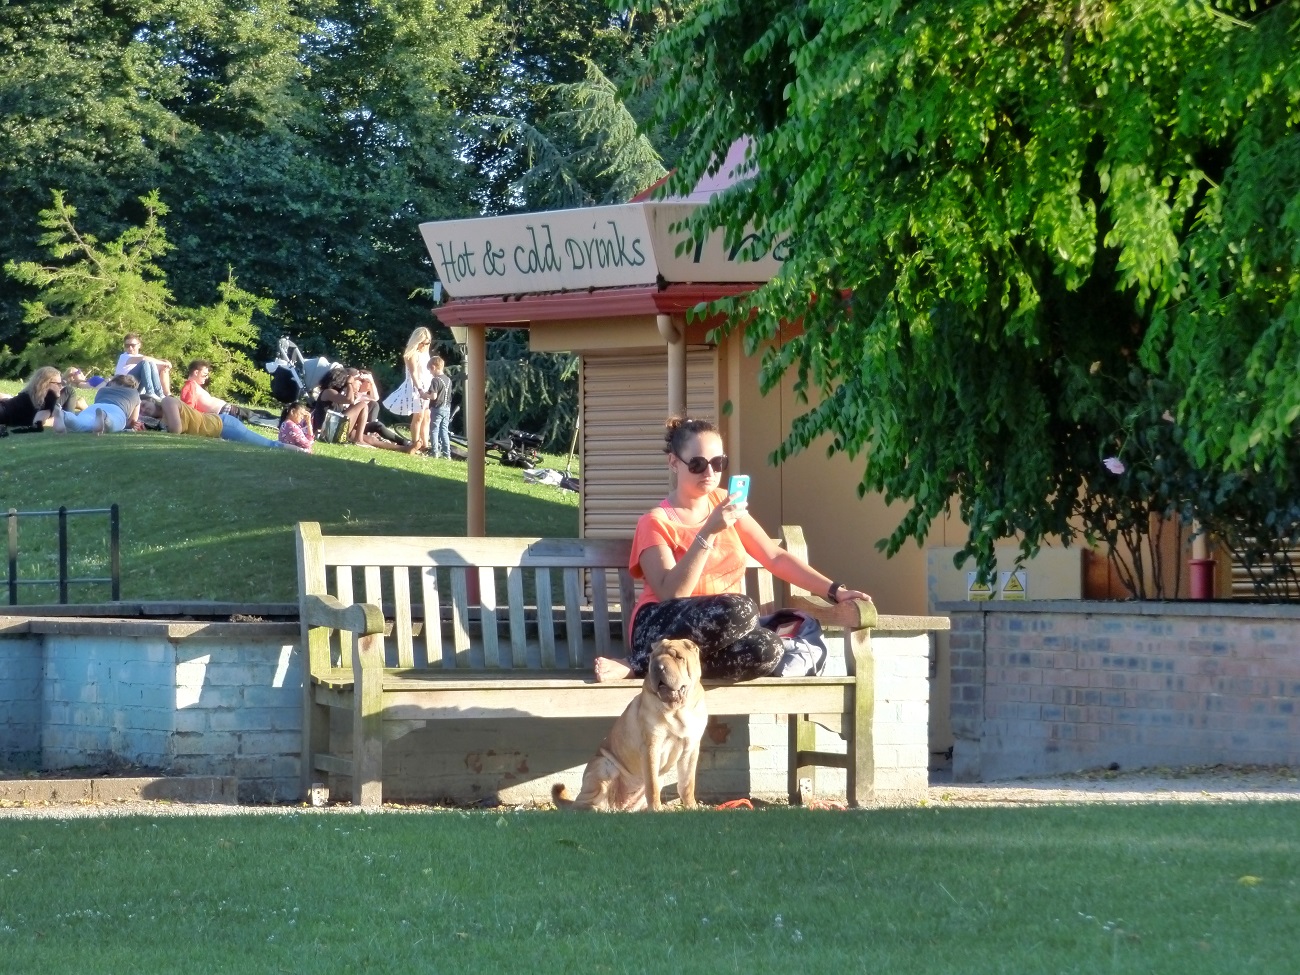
pixel 378 433
pixel 154 376
pixel 353 393
pixel 337 393
pixel 76 387
pixel 181 418
pixel 116 408
pixel 295 428
pixel 32 405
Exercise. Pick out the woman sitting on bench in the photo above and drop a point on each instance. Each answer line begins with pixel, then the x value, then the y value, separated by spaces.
pixel 691 551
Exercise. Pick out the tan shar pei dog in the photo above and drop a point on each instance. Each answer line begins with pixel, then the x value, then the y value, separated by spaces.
pixel 661 728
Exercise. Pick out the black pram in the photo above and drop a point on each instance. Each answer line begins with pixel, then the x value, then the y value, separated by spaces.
pixel 294 379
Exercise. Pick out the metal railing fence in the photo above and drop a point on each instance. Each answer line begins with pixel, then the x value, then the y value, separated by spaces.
pixel 114 579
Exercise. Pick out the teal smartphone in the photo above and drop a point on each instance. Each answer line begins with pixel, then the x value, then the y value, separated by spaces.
pixel 738 488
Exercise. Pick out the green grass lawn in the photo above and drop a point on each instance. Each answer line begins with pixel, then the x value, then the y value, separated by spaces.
pixel 207 519
pixel 1149 889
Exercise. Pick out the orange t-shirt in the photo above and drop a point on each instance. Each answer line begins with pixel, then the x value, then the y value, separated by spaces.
pixel 724 571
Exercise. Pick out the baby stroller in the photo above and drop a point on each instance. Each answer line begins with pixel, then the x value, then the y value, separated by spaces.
pixel 294 379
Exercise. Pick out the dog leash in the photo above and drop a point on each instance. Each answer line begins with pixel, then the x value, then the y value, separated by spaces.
pixel 735 804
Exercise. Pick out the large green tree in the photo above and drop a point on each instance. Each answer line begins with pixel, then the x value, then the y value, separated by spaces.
pixel 561 111
pixel 298 143
pixel 998 212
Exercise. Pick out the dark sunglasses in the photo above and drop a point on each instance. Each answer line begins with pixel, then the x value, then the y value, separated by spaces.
pixel 698 465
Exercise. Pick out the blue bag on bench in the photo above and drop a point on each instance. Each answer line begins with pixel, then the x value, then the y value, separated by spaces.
pixel 805 650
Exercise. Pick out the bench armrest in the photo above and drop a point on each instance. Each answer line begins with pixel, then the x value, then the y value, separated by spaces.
pixel 363 619
pixel 856 614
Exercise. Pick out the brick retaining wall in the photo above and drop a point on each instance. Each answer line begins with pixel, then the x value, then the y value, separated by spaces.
pixel 1055 686
pixel 225 699
pixel 20 699
pixel 197 698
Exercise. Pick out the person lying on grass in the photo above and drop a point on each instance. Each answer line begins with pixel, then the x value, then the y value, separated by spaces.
pixel 193 394
pixel 116 408
pixel 180 418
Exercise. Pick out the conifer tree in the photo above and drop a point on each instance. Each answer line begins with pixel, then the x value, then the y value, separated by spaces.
pixel 92 293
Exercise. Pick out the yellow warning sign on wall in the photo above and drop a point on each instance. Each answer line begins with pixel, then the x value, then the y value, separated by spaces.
pixel 1013 584
pixel 976 590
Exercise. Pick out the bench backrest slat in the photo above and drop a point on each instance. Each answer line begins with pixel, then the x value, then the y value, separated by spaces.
pixel 460 617
pixel 766 595
pixel 402 617
pixel 375 594
pixel 432 616
pixel 487 601
pixel 600 613
pixel 573 615
pixel 626 602
pixel 343 588
pixel 518 621
pixel 545 618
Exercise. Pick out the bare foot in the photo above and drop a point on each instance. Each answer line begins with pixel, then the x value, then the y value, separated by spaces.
pixel 611 668
pixel 101 423
pixel 57 420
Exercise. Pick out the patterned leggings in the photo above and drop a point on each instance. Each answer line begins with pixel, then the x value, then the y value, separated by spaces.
pixel 725 627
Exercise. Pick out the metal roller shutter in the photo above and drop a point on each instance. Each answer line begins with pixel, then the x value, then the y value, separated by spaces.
pixel 1278 568
pixel 624 405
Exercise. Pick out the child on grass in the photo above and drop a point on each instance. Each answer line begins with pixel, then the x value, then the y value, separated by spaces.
pixel 295 428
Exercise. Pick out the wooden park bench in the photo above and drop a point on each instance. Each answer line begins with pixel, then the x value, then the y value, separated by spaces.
pixel 409 630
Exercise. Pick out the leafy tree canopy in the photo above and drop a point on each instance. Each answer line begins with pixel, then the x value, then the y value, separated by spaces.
pixel 298 142
pixel 564 123
pixel 992 203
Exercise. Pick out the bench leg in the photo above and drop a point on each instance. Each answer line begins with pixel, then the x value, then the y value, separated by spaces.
pixel 803 738
pixel 315 734
pixel 367 724
pixel 860 768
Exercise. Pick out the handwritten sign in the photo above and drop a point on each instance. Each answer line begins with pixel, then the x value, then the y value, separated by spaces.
pixel 597 247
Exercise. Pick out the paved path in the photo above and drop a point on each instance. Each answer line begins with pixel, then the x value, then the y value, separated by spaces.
pixel 1198 784
pixel 1218 783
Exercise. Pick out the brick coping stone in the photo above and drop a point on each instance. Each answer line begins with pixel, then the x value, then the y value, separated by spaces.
pixel 1214 608
pixel 47 791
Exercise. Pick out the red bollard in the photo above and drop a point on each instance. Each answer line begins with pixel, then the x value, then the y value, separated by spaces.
pixel 1201 573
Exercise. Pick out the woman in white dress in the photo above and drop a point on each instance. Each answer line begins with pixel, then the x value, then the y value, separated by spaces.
pixel 409 398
